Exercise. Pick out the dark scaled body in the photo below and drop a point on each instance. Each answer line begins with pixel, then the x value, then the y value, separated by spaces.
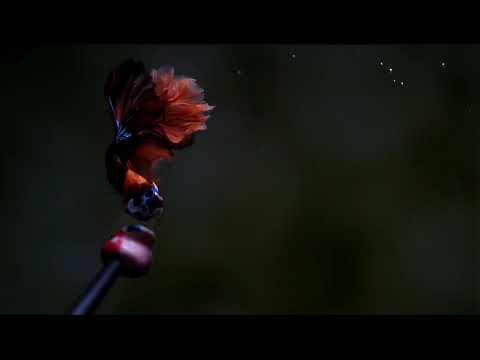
pixel 145 206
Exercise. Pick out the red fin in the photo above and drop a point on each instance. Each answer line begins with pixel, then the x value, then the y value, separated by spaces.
pixel 184 107
pixel 155 113
pixel 145 157
pixel 125 86
pixel 134 184
pixel 169 107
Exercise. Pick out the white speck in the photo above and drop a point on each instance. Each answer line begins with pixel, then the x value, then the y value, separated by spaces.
pixel 401 83
pixel 239 72
pixel 444 64
pixel 381 63
pixel 390 69
pixel 294 56
pixel 394 80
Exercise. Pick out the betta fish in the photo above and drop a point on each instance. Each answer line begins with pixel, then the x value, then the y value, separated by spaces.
pixel 154 114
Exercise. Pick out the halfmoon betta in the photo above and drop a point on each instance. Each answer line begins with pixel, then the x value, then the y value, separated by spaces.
pixel 154 114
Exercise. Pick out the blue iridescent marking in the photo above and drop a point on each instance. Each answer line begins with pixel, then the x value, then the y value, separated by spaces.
pixel 112 107
pixel 146 205
pixel 123 134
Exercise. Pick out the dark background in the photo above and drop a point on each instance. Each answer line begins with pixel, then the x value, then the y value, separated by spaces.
pixel 321 186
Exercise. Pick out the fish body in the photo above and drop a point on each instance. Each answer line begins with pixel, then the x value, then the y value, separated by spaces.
pixel 154 114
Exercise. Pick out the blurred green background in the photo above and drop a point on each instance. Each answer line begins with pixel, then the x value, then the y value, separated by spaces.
pixel 321 185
